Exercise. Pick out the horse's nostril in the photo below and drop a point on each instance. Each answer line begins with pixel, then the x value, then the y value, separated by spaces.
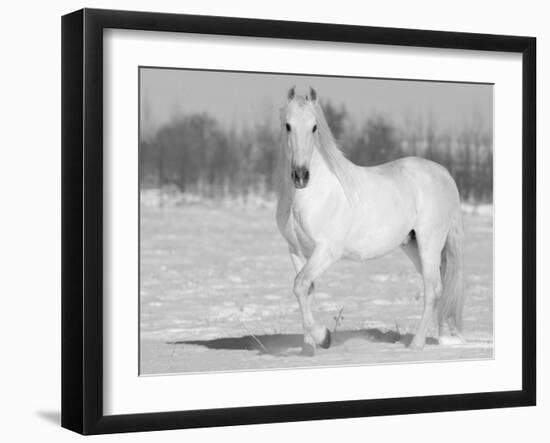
pixel 300 176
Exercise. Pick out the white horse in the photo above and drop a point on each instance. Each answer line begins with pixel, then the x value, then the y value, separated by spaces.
pixel 330 208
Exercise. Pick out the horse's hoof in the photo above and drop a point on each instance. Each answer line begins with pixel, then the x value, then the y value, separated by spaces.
pixel 308 350
pixel 325 344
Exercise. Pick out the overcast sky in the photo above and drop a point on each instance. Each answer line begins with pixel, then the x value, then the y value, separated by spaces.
pixel 242 98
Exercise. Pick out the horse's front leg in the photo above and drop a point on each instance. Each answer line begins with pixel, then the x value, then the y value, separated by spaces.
pixel 319 262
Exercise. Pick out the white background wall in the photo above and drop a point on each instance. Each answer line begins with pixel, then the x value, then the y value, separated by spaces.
pixel 30 217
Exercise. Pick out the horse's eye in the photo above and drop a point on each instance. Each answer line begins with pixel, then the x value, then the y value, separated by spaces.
pixel 314 128
pixel 287 127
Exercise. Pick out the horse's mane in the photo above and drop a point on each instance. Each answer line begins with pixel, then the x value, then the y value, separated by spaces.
pixel 336 160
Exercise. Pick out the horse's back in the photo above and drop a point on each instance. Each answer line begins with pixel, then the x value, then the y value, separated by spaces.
pixel 414 166
pixel 423 175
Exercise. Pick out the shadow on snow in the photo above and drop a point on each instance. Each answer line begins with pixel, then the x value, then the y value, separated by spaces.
pixel 284 344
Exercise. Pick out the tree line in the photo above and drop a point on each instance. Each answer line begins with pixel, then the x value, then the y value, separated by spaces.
pixel 197 154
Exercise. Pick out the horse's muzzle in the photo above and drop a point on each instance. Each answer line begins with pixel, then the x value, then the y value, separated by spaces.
pixel 300 177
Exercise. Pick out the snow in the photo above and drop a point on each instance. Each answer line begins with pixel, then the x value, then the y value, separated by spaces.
pixel 219 276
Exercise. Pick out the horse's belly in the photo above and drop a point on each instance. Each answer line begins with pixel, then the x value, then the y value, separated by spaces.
pixel 376 234
pixel 372 246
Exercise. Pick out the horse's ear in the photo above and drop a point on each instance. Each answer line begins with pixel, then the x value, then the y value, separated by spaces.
pixel 312 94
pixel 291 93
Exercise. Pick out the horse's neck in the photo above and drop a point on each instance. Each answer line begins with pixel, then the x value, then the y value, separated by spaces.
pixel 318 166
pixel 337 174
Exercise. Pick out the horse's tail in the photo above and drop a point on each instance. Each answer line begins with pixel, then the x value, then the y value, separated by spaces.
pixel 451 304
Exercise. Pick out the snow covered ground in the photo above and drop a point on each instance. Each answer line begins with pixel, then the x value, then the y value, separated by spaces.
pixel 216 295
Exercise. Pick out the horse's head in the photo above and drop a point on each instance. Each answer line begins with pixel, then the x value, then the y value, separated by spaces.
pixel 300 125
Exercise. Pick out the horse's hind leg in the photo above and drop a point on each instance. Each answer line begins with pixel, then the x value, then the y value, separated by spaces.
pixel 430 256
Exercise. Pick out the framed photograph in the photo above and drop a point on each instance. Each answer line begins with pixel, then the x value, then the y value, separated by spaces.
pixel 270 221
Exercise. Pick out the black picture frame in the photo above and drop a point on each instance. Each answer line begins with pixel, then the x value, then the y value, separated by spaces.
pixel 82 220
